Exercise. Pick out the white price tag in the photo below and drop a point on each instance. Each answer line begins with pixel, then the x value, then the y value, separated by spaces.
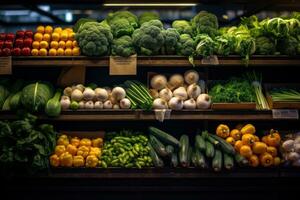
pixel 211 60
pixel 285 114
pixel 162 114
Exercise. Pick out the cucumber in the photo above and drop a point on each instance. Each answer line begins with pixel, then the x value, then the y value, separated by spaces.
pixel 184 150
pixel 200 143
pixel 217 161
pixel 157 161
pixel 228 161
pixel 210 150
pixel 225 146
pixel 164 137
pixel 241 161
pixel 174 160
pixel 169 150
pixel 158 146
pixel 200 160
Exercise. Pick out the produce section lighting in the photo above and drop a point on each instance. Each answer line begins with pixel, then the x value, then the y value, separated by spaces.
pixel 149 4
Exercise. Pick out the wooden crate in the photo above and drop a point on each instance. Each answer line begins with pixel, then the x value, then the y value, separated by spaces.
pixel 280 104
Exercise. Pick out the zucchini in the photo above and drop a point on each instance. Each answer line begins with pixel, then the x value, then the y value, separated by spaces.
pixel 225 146
pixel 207 137
pixel 169 150
pixel 210 150
pixel 184 150
pixel 174 160
pixel 157 161
pixel 200 143
pixel 241 161
pixel 193 159
pixel 190 155
pixel 217 161
pixel 200 160
pixel 228 161
pixel 164 137
pixel 158 146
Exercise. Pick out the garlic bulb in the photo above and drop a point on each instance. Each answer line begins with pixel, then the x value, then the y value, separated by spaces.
pixel 118 93
pixel 158 82
pixel 293 156
pixel 288 145
pixel 181 93
pixel 65 102
pixel 76 95
pixel 107 104
pixel 189 104
pixel 98 105
pixel 116 106
pixel 125 103
pixel 191 76
pixel 88 94
pixel 176 81
pixel 101 94
pixel 165 94
pixel 193 91
pixel 89 105
pixel 175 103
pixel 203 101
pixel 160 104
pixel 154 93
pixel 81 104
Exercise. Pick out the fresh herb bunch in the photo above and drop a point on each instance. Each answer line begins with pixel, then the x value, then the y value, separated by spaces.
pixel 234 91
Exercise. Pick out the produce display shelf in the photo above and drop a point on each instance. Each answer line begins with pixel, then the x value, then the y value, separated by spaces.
pixel 151 61
pixel 140 115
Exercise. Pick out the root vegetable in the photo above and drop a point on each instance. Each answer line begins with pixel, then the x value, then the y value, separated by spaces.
pixel 118 93
pixel 175 103
pixel 80 87
pixel 181 93
pixel 176 81
pixel 81 105
pixel 89 105
pixel 68 91
pixel 65 102
pixel 101 94
pixel 107 105
pixel 189 104
pixel 193 91
pixel 98 105
pixel 154 93
pixel 165 94
pixel 158 82
pixel 191 76
pixel 125 103
pixel 160 104
pixel 203 101
pixel 88 94
pixel 76 95
pixel 116 106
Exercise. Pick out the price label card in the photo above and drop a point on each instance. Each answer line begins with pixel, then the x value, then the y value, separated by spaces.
pixel 162 114
pixel 5 65
pixel 211 60
pixel 122 66
pixel 285 114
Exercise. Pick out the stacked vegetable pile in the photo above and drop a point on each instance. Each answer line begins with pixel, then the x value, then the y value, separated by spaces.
pixel 57 42
pixel 25 144
pixel 257 151
pixel 93 97
pixel 290 149
pixel 16 44
pixel 126 149
pixel 209 151
pixel 180 92
pixel 76 152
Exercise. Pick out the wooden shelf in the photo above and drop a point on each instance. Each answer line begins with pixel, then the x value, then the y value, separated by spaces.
pixel 139 115
pixel 150 61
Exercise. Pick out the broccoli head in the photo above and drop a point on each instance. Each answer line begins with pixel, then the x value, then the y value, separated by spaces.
pixel 123 46
pixel 288 46
pixel 94 39
pixel 265 46
pixel 205 45
pixel 183 27
pixel 224 45
pixel 149 38
pixel 148 16
pixel 80 22
pixel 186 45
pixel 132 19
pixel 171 39
pixel 205 23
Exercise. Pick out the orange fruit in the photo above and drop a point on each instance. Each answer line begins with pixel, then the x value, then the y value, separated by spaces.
pixel 52 52
pixel 57 30
pixel 40 29
pixel 55 36
pixel 64 36
pixel 34 52
pixel 38 37
pixel 47 37
pixel 61 44
pixel 43 52
pixel 54 44
pixel 76 51
pixel 48 29
pixel 44 44
pixel 60 52
pixel 35 44
pixel 69 44
pixel 68 52
pixel 69 30
pixel 71 36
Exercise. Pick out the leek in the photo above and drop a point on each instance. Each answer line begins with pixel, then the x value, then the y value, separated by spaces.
pixel 287 95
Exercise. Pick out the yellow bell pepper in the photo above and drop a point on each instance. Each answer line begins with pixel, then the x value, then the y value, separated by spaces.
pixel 91 161
pixel 83 151
pixel 223 131
pixel 85 142
pixel 95 151
pixel 78 161
pixel 72 149
pixel 54 160
pixel 66 159
pixel 248 129
pixel 60 149
pixel 98 142
pixel 75 141
pixel 63 140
